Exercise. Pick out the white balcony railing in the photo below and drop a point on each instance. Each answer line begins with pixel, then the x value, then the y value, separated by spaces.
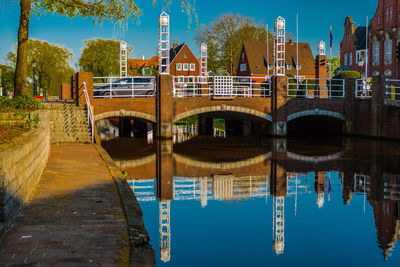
pixel 221 86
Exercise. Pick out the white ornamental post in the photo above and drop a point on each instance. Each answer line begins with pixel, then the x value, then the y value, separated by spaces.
pixel 123 59
pixel 279 46
pixel 163 44
pixel 203 51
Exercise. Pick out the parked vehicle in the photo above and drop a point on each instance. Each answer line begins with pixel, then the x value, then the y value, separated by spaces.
pixel 127 87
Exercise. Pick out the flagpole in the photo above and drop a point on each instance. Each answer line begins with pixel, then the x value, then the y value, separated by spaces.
pixel 366 50
pixel 297 50
pixel 330 56
pixel 268 51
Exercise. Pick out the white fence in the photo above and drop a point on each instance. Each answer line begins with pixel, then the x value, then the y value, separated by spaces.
pixel 392 91
pixel 316 88
pixel 363 88
pixel 129 87
pixel 221 86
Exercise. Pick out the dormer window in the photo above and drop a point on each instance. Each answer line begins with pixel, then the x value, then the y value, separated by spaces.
pixel 257 66
pixel 299 66
pixel 289 66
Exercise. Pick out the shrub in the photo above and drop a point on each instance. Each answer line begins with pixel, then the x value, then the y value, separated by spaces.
pixel 19 103
pixel 348 74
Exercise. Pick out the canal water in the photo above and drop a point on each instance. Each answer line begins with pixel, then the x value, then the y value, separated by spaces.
pixel 308 201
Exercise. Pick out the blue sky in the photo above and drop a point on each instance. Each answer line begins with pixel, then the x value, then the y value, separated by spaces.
pixel 314 19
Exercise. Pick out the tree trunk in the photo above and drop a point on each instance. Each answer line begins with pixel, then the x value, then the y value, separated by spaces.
pixel 22 52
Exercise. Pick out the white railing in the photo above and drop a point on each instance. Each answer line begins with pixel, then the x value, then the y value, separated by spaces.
pixel 316 88
pixel 363 89
pixel 90 116
pixel 392 91
pixel 129 87
pixel 221 86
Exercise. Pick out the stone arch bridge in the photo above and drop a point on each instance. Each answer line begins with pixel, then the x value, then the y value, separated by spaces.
pixel 274 112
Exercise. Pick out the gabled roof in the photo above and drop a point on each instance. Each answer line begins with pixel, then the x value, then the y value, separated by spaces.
pixel 173 52
pixel 258 56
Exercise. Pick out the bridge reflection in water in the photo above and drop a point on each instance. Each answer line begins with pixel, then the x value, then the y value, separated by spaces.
pixel 288 178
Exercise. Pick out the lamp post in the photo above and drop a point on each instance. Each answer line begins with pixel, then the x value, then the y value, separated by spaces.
pixel 35 78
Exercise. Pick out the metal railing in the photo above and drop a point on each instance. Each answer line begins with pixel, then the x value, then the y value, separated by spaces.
pixel 129 87
pixel 392 89
pixel 363 89
pixel 90 116
pixel 316 88
pixel 221 86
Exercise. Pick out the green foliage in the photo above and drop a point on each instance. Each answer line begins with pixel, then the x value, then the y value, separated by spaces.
pixel 7 79
pixel 335 61
pixel 19 103
pixel 348 75
pixel 29 120
pixel 224 38
pixel 52 65
pixel 192 120
pixel 101 57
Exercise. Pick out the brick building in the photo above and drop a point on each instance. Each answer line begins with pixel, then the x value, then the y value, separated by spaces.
pixel 353 46
pixel 183 63
pixel 383 35
pixel 257 60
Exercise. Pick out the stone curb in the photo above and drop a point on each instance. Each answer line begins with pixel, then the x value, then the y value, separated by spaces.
pixel 141 253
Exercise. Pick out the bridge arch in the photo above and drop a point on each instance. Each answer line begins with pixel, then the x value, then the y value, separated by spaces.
pixel 125 113
pixel 316 112
pixel 222 108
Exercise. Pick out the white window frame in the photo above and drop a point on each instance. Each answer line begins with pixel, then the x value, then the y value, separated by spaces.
pixel 192 65
pixel 181 79
pixel 185 66
pixel 179 66
pixel 299 66
pixel 345 59
pixel 243 67
pixel 388 51
pixel 375 53
pixel 289 66
pixel 351 59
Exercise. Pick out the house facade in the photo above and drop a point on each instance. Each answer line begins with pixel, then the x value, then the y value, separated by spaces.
pixel 383 38
pixel 257 60
pixel 353 46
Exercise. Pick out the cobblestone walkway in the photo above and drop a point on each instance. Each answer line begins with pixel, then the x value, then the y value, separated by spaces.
pixel 74 218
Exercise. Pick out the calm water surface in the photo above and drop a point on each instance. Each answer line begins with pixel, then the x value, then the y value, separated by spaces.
pixel 263 202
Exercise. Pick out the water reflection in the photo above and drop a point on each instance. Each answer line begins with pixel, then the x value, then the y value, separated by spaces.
pixel 362 175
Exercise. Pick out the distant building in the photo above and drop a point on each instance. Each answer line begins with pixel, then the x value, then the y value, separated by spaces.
pixel 383 38
pixel 257 60
pixel 143 67
pixel 183 63
pixel 353 46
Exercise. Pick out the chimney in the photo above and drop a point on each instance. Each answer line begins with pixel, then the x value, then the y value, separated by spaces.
pixel 291 41
pixel 142 57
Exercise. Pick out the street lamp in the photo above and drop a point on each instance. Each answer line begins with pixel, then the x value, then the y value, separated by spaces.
pixel 35 78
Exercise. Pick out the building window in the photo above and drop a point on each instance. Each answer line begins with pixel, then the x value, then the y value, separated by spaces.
pixel 180 79
pixel 185 66
pixel 243 56
pixel 191 79
pixel 391 13
pixel 192 67
pixel 388 52
pixel 289 66
pixel 375 55
pixel 345 59
pixel 243 67
pixel 350 58
pixel 379 20
pixel 185 55
pixel 179 66
pixel 299 66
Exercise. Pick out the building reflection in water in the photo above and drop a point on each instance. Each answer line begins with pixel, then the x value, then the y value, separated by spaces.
pixel 274 181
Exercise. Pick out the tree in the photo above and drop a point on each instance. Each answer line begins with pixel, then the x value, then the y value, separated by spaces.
pixel 101 57
pixel 335 63
pixel 117 11
pixel 52 64
pixel 225 37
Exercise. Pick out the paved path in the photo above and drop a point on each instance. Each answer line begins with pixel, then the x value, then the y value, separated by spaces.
pixel 74 218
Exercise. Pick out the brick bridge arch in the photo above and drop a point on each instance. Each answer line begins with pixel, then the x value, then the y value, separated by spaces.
pixel 316 112
pixel 222 108
pixel 125 113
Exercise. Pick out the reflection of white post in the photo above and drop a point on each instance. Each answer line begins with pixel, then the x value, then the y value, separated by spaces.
pixel 279 47
pixel 165 231
pixel 123 59
pixel 279 225
pixel 203 51
pixel 163 44
pixel 204 192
